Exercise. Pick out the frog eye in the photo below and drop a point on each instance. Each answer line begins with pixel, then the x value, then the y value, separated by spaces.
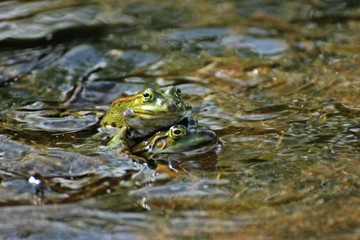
pixel 177 132
pixel 148 95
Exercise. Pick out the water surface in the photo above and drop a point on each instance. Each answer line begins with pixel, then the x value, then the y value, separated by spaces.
pixel 278 82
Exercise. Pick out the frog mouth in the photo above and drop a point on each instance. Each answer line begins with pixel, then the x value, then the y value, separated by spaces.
pixel 169 109
pixel 147 114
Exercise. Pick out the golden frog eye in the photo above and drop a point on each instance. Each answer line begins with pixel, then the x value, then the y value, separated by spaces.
pixel 177 132
pixel 148 95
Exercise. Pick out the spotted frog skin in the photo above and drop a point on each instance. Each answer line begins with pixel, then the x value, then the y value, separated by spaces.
pixel 143 114
pixel 178 139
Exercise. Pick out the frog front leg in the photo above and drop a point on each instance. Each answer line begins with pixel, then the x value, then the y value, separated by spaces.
pixel 120 144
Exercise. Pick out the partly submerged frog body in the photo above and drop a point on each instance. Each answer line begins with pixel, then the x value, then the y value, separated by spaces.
pixel 177 140
pixel 145 113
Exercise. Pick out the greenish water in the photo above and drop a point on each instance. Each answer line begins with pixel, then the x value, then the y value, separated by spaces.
pixel 277 81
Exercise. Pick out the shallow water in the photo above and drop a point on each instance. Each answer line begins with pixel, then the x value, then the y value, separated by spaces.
pixel 278 82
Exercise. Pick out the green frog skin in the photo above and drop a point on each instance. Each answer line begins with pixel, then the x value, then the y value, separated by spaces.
pixel 143 114
pixel 178 139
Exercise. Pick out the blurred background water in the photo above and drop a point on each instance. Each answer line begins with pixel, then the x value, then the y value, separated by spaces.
pixel 278 81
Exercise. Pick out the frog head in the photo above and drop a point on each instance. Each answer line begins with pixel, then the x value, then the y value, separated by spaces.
pixel 148 111
pixel 178 139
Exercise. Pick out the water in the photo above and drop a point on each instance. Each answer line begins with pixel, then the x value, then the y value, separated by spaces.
pixel 278 82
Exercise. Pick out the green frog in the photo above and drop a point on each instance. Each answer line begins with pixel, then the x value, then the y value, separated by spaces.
pixel 178 139
pixel 143 114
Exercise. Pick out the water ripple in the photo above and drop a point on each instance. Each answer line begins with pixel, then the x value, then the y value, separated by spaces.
pixel 187 188
pixel 260 46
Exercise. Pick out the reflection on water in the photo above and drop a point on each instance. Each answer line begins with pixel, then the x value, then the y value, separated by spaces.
pixel 278 82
